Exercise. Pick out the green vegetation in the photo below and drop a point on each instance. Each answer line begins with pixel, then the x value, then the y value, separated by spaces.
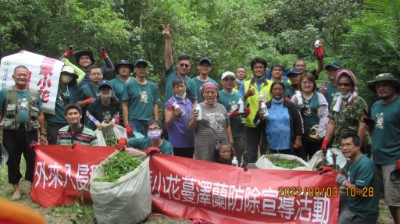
pixel 117 166
pixel 285 163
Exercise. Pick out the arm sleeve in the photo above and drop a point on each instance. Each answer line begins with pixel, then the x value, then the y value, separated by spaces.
pixel 109 66
pixel 323 115
pixel 81 74
pixel 136 143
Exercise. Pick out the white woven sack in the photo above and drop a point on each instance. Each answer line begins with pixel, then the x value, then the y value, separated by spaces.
pixel 264 163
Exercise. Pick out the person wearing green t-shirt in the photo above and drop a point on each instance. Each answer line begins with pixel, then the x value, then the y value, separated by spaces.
pixel 104 109
pixel 124 68
pixel 231 101
pixel 140 98
pixel 182 69
pixel 204 68
pixel 153 139
pixel 293 76
pixel 360 197
pixel 385 127
pixel 329 88
pixel 277 74
pixel 88 92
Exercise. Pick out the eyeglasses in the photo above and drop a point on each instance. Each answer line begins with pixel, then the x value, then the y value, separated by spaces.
pixel 184 65
pixel 345 84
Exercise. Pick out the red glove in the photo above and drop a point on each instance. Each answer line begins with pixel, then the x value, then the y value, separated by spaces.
pixel 324 145
pixel 122 142
pixel 103 53
pixel 89 100
pixel 129 131
pixel 233 113
pixel 370 121
pixel 319 51
pixel 33 144
pixel 170 107
pixel 324 169
pixel 246 112
pixel 117 120
pixel 398 164
pixel 151 150
pixel 69 51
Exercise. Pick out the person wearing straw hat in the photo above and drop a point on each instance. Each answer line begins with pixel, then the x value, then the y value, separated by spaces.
pixel 385 128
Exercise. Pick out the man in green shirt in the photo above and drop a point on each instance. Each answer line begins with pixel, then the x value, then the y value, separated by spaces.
pixel 182 69
pixel 204 68
pixel 386 137
pixel 361 193
pixel 140 98
pixel 124 69
pixel 233 101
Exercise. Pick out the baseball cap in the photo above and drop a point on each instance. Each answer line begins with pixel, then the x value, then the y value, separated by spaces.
pixel 293 71
pixel 333 65
pixel 104 83
pixel 141 61
pixel 205 60
pixel 69 70
pixel 70 106
pixel 226 74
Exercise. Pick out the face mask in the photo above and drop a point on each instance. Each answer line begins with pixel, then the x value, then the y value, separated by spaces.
pixel 239 81
pixel 183 96
pixel 153 135
pixel 345 96
pixel 277 101
pixel 66 79
pixel 105 97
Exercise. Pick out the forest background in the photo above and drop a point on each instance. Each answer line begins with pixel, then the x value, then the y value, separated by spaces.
pixel 363 35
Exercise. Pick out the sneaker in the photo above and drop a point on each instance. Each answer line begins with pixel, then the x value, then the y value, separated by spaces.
pixel 16 196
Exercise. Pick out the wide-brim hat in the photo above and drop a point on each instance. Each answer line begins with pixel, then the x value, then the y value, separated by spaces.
pixel 124 62
pixel 69 70
pixel 141 61
pixel 384 77
pixel 81 53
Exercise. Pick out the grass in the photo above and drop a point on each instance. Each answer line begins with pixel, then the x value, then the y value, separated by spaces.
pixel 77 214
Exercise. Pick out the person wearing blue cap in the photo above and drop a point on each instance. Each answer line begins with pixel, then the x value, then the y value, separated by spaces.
pixel 293 76
pixel 139 100
pixel 204 68
pixel 330 88
pixel 104 108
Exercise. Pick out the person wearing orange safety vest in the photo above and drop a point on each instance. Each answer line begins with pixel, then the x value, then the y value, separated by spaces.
pixel 255 91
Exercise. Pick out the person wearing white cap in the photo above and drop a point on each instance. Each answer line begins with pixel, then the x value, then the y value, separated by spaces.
pixel 234 103
pixel 66 94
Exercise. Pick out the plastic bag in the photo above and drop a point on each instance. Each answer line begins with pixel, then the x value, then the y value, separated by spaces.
pixel 265 163
pixel 333 156
pixel 117 130
pixel 127 200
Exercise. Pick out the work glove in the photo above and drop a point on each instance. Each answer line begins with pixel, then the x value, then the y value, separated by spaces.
pixel 341 179
pixel 370 121
pixel 117 120
pixel 69 51
pixel 233 113
pixel 398 164
pixel 246 112
pixel 122 142
pixel 324 145
pixel 103 53
pixel 319 50
pixel 324 169
pixel 151 150
pixel 129 130
pixel 89 100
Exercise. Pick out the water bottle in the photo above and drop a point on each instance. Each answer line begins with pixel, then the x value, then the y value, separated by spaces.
pixel 264 109
pixel 241 106
pixel 260 96
pixel 299 97
pixel 198 108
pixel 176 106
pixel 235 162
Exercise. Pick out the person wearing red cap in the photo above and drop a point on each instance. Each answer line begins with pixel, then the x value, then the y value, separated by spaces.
pixel 211 124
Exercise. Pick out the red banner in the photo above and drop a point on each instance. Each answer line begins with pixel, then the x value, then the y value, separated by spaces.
pixel 186 188
pixel 62 173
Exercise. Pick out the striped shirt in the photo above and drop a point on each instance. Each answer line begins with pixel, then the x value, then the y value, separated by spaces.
pixel 84 136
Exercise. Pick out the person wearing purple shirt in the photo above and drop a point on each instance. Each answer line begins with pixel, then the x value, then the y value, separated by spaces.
pixel 177 112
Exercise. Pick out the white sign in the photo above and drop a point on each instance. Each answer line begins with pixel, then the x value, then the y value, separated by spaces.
pixel 44 75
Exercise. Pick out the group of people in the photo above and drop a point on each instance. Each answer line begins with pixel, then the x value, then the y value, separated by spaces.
pixel 275 111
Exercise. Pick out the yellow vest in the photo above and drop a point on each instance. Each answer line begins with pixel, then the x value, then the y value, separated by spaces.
pixel 253 101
